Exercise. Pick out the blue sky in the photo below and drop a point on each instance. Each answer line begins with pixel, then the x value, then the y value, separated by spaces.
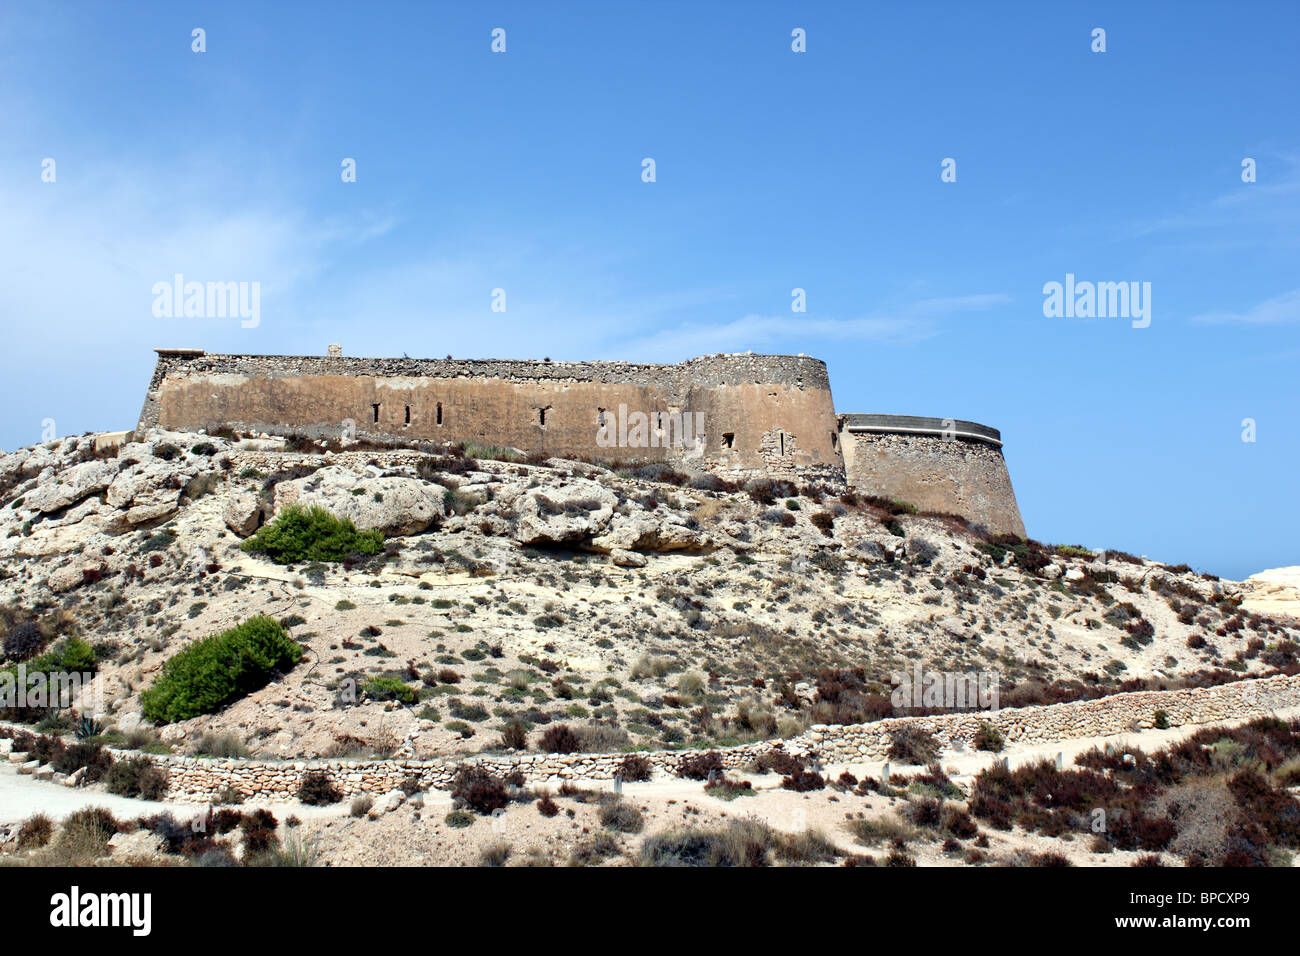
pixel 775 170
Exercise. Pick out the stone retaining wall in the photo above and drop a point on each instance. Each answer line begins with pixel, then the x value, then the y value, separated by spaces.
pixel 195 779
pixel 1105 716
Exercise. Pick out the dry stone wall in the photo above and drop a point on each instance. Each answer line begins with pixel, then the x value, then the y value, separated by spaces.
pixel 1103 717
pixel 194 779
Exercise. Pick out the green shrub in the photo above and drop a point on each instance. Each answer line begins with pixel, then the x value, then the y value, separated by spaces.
pixel 1161 720
pixel 216 670
pixel 1074 551
pixel 73 654
pixel 312 534
pixel 989 738
pixel 388 688
pixel 66 657
pixel 490 452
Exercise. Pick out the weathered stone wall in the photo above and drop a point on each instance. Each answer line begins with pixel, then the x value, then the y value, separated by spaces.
pixel 759 414
pixel 964 474
pixel 1105 716
pixel 199 780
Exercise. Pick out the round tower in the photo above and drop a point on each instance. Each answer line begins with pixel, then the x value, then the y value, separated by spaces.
pixel 937 464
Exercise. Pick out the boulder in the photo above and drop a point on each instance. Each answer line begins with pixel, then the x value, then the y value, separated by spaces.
pixel 141 843
pixel 571 512
pixel 73 575
pixel 394 505
pixel 242 512
pixel 955 627
pixel 626 559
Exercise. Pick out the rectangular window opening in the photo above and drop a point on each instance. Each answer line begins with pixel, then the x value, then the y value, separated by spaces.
pixel 440 413
pixel 408 414
pixel 728 439
pixel 375 409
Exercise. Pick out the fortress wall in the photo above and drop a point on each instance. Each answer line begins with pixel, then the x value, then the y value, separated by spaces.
pixel 965 475
pixel 759 414
pixel 771 430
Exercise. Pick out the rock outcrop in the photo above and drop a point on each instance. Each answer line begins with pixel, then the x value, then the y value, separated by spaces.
pixel 394 505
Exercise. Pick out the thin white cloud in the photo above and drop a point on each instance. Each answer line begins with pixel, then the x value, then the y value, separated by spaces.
pixel 1279 310
pixel 902 326
pixel 1269 201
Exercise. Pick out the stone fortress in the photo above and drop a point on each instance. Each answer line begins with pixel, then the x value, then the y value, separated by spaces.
pixel 740 417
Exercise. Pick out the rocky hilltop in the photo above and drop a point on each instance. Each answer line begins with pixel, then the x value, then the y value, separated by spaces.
pixel 640 608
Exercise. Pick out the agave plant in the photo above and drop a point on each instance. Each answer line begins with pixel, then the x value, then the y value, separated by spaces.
pixel 88 727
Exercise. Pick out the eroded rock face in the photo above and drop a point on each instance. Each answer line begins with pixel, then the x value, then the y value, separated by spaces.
pixel 568 513
pixel 74 575
pixel 72 485
pixel 394 505
pixel 148 491
pixel 28 462
pixel 646 532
